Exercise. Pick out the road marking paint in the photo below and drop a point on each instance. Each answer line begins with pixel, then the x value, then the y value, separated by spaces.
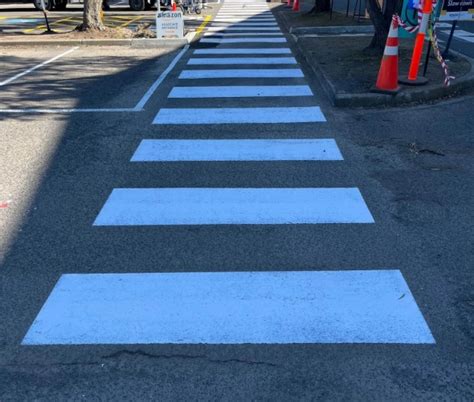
pixel 244 40
pixel 245 14
pixel 240 91
pixel 244 51
pixel 267 16
pixel 221 35
pixel 126 23
pixel 244 24
pixel 38 27
pixel 241 60
pixel 203 25
pixel 239 19
pixel 72 110
pixel 233 206
pixel 232 28
pixel 242 73
pixel 277 307
pixel 141 104
pixel 263 115
pixel 44 63
pixel 237 150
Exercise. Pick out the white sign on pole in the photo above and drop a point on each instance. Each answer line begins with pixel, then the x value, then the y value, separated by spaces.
pixel 169 24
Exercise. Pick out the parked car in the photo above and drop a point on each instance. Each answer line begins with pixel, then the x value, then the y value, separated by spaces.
pixel 60 5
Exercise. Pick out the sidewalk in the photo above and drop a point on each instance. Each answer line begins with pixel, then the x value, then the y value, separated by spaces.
pixel 335 51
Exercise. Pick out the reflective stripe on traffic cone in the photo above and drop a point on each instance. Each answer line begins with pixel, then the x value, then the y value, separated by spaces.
pixel 387 80
pixel 296 5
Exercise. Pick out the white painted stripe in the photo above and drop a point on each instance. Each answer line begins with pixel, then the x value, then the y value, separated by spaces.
pixel 270 115
pixel 141 104
pixel 71 110
pixel 251 19
pixel 241 60
pixel 248 10
pixel 237 150
pixel 232 28
pixel 242 73
pixel 243 40
pixel 240 91
pixel 30 70
pixel 244 51
pixel 285 307
pixel 391 51
pixel 245 20
pixel 243 34
pixel 245 14
pixel 233 206
pixel 244 24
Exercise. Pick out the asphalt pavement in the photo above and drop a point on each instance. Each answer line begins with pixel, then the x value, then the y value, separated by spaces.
pixel 365 293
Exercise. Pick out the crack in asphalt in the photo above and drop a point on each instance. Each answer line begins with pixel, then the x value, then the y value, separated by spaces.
pixel 141 353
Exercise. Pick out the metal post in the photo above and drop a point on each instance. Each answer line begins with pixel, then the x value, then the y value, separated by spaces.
pixel 448 44
pixel 43 8
pixel 427 60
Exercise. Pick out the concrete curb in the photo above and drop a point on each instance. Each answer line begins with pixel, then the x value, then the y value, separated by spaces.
pixel 134 43
pixel 423 94
pixel 333 30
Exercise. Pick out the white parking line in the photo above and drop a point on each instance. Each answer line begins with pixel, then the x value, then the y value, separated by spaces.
pixel 44 63
pixel 141 104
pixel 138 108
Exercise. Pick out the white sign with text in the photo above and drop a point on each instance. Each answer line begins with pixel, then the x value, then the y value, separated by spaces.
pixel 169 24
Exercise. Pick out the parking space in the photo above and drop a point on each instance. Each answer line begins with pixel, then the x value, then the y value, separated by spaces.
pixel 68 22
pixel 56 77
pixel 24 19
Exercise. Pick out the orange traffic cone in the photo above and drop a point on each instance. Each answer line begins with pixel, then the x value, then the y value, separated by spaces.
pixel 173 6
pixel 387 80
pixel 296 5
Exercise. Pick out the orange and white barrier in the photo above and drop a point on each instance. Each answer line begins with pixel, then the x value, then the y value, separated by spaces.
pixel 387 80
pixel 413 78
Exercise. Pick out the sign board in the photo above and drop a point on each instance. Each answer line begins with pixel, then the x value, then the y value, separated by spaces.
pixel 457 10
pixel 169 24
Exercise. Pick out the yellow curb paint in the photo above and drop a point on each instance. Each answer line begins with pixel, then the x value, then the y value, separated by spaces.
pixel 203 25
pixel 129 22
pixel 38 27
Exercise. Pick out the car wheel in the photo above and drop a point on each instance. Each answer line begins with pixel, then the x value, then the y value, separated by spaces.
pixel 48 4
pixel 60 5
pixel 137 5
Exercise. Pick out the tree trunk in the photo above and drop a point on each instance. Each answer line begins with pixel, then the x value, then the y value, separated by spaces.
pixel 91 19
pixel 320 6
pixel 381 19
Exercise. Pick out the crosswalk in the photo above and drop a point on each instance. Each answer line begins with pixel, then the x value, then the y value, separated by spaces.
pixel 243 55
